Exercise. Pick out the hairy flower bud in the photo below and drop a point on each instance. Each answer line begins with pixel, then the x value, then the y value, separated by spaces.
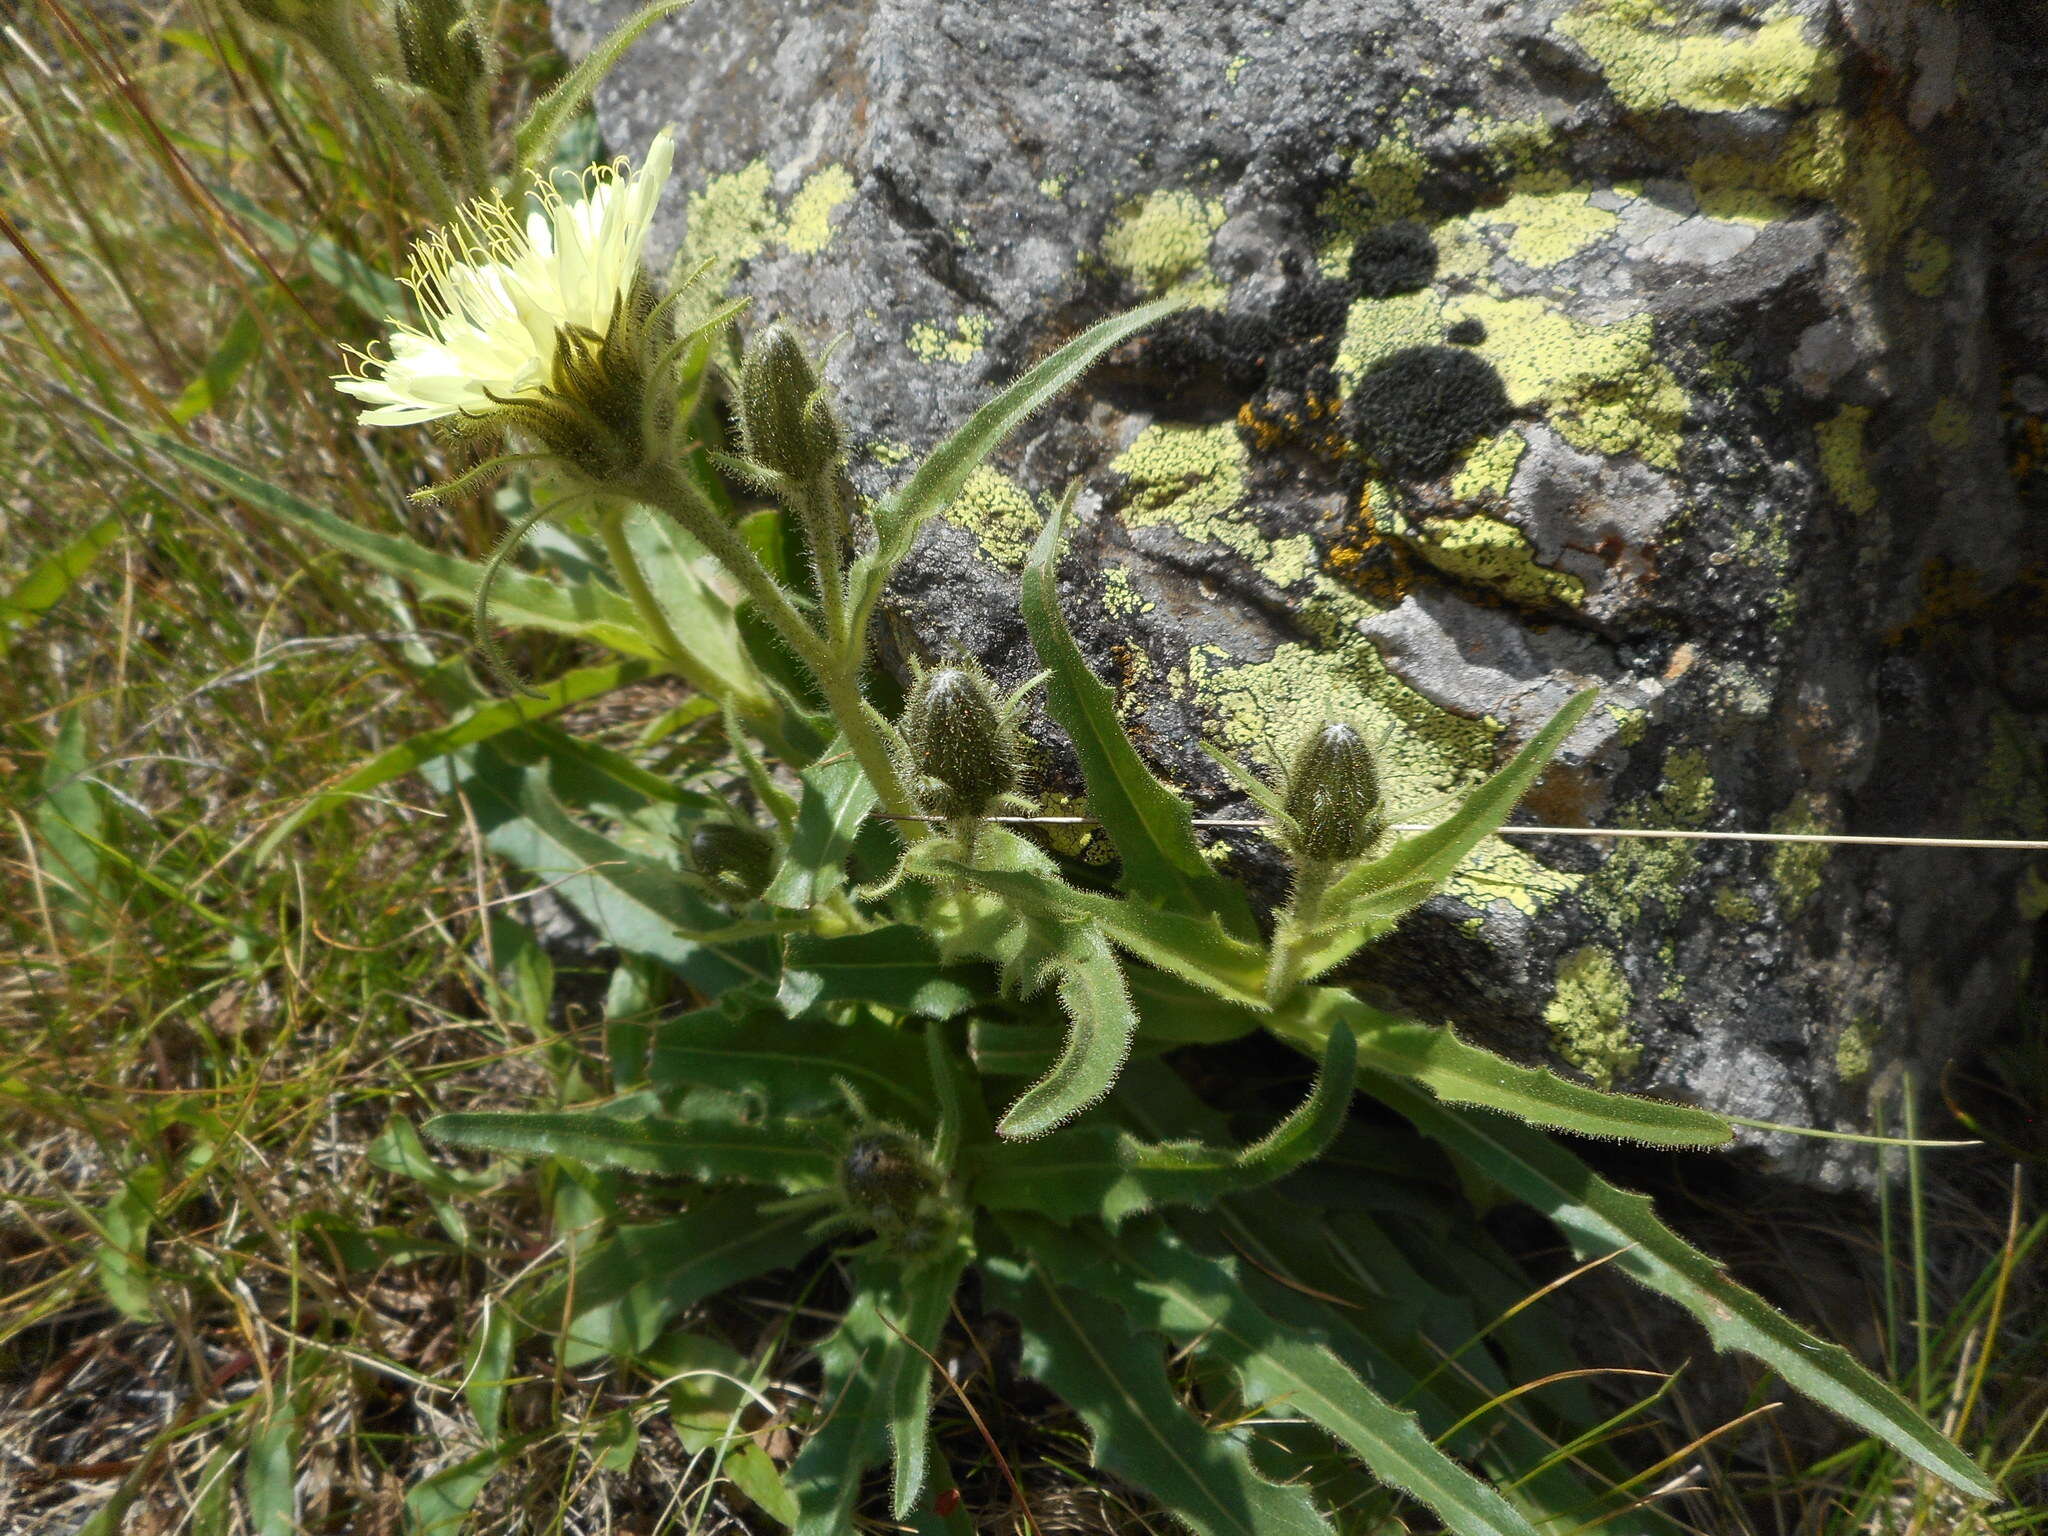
pixel 883 1170
pixel 963 753
pixel 786 423
pixel 440 45
pixel 732 858
pixel 1333 794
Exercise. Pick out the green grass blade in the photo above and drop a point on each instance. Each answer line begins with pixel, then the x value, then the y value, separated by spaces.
pixel 1460 1073
pixel 479 724
pixel 1100 1026
pixel 1167 1286
pixel 1114 1377
pixel 790 1156
pixel 945 469
pixel 534 139
pixel 51 577
pixel 1150 825
pixel 1599 1220
pixel 586 609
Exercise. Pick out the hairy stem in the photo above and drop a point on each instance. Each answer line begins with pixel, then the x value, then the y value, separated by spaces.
pixel 1296 928
pixel 837 667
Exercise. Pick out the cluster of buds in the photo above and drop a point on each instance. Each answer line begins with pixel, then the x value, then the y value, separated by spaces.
pixel 792 444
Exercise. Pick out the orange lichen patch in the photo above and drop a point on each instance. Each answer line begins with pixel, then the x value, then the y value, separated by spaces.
pixel 1364 557
pixel 1311 425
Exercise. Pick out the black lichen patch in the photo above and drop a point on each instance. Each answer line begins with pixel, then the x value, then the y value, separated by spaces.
pixel 1466 333
pixel 1412 414
pixel 1394 258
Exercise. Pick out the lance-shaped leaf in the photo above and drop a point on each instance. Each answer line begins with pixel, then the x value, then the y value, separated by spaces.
pixel 895 966
pixel 925 1295
pixel 862 1361
pixel 624 1291
pixel 788 1154
pixel 791 1067
pixel 588 610
pixel 1201 1302
pixel 1366 902
pixel 534 139
pixel 1600 1220
pixel 1104 1172
pixel 1100 1026
pixel 1461 1073
pixel 938 480
pixel 1114 1377
pixel 835 802
pixel 1150 825
pixel 1196 949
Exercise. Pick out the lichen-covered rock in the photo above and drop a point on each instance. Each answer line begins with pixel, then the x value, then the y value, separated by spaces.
pixel 1757 302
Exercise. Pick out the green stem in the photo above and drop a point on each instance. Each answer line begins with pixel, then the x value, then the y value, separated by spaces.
pixel 837 674
pixel 338 47
pixel 686 663
pixel 1296 928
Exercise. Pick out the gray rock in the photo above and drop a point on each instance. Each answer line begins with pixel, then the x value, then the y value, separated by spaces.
pixel 1752 276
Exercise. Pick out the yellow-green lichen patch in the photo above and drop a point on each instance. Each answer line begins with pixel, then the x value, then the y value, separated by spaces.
pixel 732 220
pixel 887 450
pixel 1869 167
pixel 1602 385
pixel 809 223
pixel 1734 905
pixel 1950 425
pixel 1796 868
pixel 1490 553
pixel 1629 722
pixel 2012 795
pixel 962 344
pixel 1550 217
pixel 1120 597
pixel 1376 329
pixel 999 514
pixel 1191 479
pixel 1688 789
pixel 1655 63
pixel 1161 241
pixel 1856 1049
pixel 1052 187
pixel 1641 872
pixel 1489 466
pixel 1927 261
pixel 1233 69
pixel 1588 1015
pixel 1844 461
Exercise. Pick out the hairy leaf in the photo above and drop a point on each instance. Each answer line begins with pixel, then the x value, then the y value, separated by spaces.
pixel 1467 1074
pixel 835 802
pixel 925 1295
pixel 1599 1220
pixel 1114 1377
pixel 896 966
pixel 789 1155
pixel 1103 1172
pixel 1100 1026
pixel 791 1067
pixel 862 1359
pixel 1150 825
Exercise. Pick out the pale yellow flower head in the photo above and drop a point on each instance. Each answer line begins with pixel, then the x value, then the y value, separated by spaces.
pixel 493 295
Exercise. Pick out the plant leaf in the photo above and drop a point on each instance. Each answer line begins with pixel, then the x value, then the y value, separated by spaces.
pixel 1165 1285
pixel 534 139
pixel 1195 949
pixel 1367 901
pixel 1100 1026
pixel 480 723
pixel 787 1154
pixel 791 1067
pixel 896 966
pixel 625 1290
pixel 925 1294
pixel 1114 1377
pixel 54 575
pixel 1600 1220
pixel 1150 825
pixel 835 802
pixel 270 1472
pixel 1460 1073
pixel 587 609
pixel 860 1359
pixel 1103 1172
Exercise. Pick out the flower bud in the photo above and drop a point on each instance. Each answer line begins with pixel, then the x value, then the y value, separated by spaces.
pixel 884 1173
pixel 732 858
pixel 786 424
pixel 963 753
pixel 443 54
pixel 1333 794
